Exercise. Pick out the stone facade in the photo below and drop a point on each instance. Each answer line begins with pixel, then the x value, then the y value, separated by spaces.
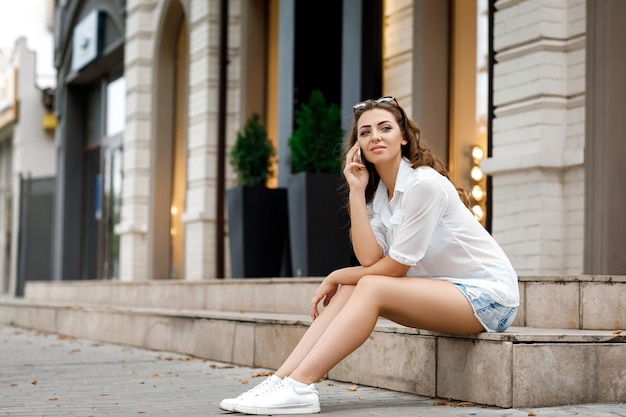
pixel 538 134
pixel 538 127
pixel 145 27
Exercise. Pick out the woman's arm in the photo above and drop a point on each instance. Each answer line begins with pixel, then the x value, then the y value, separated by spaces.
pixel 364 242
pixel 351 276
pixel 366 248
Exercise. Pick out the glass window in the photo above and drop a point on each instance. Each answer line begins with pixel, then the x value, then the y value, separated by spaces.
pixel 93 115
pixel 116 107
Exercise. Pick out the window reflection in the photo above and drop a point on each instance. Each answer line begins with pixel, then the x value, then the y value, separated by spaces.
pixel 116 107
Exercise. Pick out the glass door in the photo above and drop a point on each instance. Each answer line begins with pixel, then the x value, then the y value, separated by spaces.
pixel 111 209
pixel 102 178
pixel 112 157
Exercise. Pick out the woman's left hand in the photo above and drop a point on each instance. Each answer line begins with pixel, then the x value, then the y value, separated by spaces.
pixel 326 291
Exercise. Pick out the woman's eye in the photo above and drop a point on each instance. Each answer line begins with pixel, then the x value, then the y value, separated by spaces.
pixel 385 128
pixel 364 133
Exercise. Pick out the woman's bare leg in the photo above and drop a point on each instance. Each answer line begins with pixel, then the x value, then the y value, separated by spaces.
pixel 315 331
pixel 414 302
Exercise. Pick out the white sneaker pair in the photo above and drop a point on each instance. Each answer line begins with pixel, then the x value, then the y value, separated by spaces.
pixel 277 398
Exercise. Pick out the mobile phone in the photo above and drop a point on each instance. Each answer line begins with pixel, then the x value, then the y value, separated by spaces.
pixel 360 156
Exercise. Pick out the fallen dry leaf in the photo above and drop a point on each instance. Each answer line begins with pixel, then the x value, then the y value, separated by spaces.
pixel 441 403
pixel 141 382
pixel 330 384
pixel 13 385
pixel 361 398
pixel 466 404
pixel 52 398
pixel 185 358
pixel 353 388
pixel 222 366
pixel 74 351
pixel 617 332
pixel 34 382
pixel 259 374
pixel 155 374
pixel 244 381
pixel 532 413
pixel 169 358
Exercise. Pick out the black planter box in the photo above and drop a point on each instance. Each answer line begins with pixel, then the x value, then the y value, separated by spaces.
pixel 259 232
pixel 318 225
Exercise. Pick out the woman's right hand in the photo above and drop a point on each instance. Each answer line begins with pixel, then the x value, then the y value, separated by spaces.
pixel 326 291
pixel 355 172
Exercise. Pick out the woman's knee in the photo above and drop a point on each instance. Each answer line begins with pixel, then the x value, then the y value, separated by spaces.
pixel 367 284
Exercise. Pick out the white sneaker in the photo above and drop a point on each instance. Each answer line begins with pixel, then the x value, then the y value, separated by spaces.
pixel 228 404
pixel 282 399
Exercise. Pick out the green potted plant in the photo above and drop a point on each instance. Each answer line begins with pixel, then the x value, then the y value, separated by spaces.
pixel 318 221
pixel 257 215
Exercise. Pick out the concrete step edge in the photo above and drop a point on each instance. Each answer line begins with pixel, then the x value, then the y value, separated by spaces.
pixel 515 334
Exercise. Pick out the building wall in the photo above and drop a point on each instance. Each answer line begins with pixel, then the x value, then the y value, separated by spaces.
pixel 145 27
pixel 538 129
pixel 538 134
pixel 29 152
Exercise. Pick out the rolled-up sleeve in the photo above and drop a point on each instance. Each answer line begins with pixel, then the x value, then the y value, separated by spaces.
pixel 423 206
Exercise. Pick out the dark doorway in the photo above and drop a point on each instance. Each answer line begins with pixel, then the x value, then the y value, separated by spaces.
pixel 35 231
pixel 317 55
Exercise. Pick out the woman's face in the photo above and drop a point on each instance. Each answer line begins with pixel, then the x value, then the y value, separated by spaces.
pixel 379 136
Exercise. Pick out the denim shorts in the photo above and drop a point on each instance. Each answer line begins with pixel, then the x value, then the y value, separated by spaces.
pixel 494 317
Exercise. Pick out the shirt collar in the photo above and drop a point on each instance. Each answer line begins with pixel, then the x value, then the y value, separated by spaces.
pixel 402 177
pixel 380 198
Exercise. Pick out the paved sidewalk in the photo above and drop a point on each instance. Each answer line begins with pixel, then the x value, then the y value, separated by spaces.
pixel 52 375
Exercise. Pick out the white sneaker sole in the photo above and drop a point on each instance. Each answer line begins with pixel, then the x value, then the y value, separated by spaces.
pixel 287 409
pixel 227 406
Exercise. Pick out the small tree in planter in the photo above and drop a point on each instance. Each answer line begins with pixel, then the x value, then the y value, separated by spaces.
pixel 316 142
pixel 257 215
pixel 251 157
pixel 318 222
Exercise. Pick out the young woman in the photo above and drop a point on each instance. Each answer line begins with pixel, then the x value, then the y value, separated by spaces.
pixel 425 261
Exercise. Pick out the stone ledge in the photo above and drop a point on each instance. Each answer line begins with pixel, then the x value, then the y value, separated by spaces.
pixel 514 334
pixel 562 302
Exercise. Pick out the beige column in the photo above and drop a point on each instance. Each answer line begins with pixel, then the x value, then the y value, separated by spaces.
pixel 133 227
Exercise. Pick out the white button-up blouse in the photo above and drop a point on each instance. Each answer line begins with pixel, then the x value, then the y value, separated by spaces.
pixel 427 227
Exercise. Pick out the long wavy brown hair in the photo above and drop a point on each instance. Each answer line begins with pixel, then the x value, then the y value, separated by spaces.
pixel 417 153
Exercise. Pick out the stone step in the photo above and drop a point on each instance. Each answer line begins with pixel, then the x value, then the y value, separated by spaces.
pixel 523 367
pixel 561 302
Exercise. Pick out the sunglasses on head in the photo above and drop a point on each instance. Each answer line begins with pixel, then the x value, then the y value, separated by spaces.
pixel 386 99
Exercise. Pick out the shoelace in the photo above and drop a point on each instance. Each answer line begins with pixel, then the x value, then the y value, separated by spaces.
pixel 261 386
pixel 276 387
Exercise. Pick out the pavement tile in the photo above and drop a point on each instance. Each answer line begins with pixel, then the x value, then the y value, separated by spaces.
pixel 49 375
